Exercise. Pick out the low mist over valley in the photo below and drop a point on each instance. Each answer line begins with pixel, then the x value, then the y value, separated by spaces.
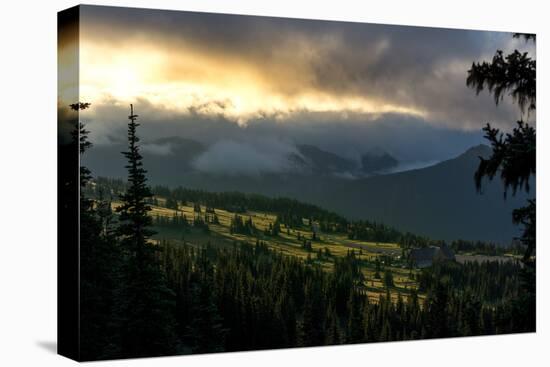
pixel 429 198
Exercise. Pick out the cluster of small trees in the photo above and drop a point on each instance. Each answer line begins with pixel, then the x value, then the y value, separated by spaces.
pixel 480 248
pixel 240 226
pixel 373 232
pixel 491 281
pixel 290 219
pixel 171 203
pixel 178 221
pixel 273 229
pixel 201 223
pixel 306 245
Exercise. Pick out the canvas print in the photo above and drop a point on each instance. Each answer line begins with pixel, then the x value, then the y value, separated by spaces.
pixel 236 183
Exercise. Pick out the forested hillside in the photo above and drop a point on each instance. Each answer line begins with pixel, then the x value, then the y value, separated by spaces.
pixel 438 201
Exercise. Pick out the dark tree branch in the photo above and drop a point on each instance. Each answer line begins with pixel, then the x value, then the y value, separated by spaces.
pixel 514 157
pixel 514 73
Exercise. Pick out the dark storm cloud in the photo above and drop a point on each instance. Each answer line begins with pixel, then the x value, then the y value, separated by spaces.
pixel 421 69
pixel 411 140
pixel 412 66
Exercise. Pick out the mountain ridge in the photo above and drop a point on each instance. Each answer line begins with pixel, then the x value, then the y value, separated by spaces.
pixel 439 201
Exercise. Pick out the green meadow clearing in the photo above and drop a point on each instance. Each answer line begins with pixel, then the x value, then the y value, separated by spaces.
pixel 289 242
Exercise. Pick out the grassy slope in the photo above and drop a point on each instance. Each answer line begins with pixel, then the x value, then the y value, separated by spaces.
pixel 288 244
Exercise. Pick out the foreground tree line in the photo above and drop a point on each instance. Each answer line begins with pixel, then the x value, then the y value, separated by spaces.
pixel 250 297
pixel 139 299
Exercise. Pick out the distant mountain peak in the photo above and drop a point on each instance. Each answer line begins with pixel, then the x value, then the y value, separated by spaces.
pixel 377 160
pixel 478 150
pixel 377 152
pixel 322 161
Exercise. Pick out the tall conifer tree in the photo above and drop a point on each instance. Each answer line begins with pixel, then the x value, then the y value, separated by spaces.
pixel 146 303
pixel 514 154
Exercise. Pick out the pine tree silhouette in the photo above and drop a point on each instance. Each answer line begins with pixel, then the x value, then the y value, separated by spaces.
pixel 145 312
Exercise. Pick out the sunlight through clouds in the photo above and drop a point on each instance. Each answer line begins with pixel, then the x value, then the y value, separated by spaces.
pixel 205 86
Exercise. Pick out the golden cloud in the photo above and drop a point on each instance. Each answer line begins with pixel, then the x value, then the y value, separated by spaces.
pixel 185 79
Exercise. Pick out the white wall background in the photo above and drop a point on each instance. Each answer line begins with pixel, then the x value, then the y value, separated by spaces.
pixel 28 183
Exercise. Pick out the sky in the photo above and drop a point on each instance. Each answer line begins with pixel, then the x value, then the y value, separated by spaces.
pixel 228 79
